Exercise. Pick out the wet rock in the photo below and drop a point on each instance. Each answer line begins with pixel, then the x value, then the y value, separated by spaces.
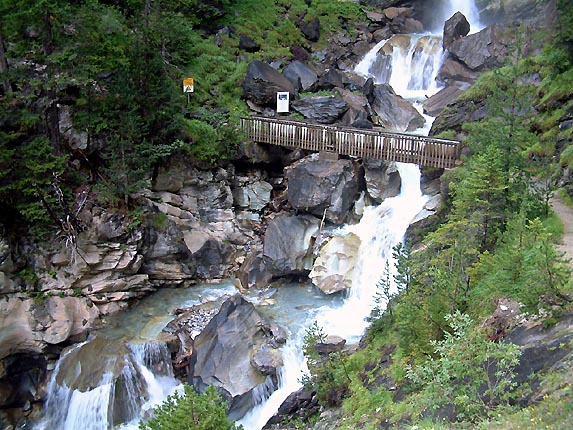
pixel 262 83
pixel 320 109
pixel 455 28
pixel 435 104
pixel 288 241
pixel 382 179
pixel 267 359
pixel 484 50
pixel 334 267
pixel 222 354
pixel 323 188
pixel 457 74
pixel 393 111
pixel 254 272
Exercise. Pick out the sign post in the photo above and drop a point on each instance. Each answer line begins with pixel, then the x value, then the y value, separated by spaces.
pixel 282 102
pixel 188 87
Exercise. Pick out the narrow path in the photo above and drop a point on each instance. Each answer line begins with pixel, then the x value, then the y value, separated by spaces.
pixel 565 213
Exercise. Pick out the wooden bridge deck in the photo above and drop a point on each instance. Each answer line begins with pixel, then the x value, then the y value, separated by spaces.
pixel 402 147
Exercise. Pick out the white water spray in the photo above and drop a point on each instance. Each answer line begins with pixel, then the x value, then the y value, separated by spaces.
pixel 143 372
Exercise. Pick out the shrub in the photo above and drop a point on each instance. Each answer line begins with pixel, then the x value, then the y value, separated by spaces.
pixel 469 372
pixel 191 411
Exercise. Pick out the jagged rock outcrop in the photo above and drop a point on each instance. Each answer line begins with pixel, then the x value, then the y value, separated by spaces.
pixel 302 77
pixel 288 241
pixel 223 354
pixel 320 109
pixel 434 105
pixel 484 50
pixel 334 267
pixel 382 179
pixel 323 188
pixel 455 28
pixel 262 83
pixel 392 110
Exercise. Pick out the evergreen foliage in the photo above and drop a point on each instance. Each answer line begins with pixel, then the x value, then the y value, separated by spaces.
pixel 191 411
pixel 469 371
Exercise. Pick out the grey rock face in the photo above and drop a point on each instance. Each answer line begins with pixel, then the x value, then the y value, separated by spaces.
pixel 288 242
pixel 382 179
pixel 323 188
pixel 455 28
pixel 484 50
pixel 321 109
pixel 302 77
pixel 222 354
pixel 393 111
pixel 262 83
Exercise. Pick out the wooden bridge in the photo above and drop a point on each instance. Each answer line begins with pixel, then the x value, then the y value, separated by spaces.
pixel 402 147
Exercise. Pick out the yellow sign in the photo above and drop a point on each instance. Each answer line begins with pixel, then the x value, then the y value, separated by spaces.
pixel 188 85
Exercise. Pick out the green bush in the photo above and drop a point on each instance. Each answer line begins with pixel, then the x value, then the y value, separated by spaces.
pixel 469 372
pixel 191 411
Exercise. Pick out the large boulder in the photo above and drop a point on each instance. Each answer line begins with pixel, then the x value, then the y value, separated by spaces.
pixel 311 29
pixel 302 77
pixel 436 104
pixel 393 111
pixel 323 188
pixel 223 354
pixel 321 109
pixel 485 50
pixel 334 268
pixel 262 83
pixel 453 72
pixel 288 241
pixel 382 179
pixel 455 28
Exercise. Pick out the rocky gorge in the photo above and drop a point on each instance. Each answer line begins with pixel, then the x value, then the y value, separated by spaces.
pixel 260 218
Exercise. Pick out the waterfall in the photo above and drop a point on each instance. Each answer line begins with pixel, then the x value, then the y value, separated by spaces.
pixel 409 63
pixel 113 389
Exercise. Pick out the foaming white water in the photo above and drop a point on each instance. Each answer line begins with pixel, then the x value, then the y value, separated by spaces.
pixel 145 374
pixel 409 63
pixel 288 381
pixel 379 230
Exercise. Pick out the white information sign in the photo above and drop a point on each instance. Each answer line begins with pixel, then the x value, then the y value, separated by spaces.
pixel 282 102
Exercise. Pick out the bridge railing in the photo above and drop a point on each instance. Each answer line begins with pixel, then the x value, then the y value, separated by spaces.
pixel 403 147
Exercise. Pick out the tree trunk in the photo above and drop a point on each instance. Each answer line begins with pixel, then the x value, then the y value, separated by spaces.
pixel 4 68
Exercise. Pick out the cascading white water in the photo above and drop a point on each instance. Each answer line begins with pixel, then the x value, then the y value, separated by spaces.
pixel 143 372
pixel 409 63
